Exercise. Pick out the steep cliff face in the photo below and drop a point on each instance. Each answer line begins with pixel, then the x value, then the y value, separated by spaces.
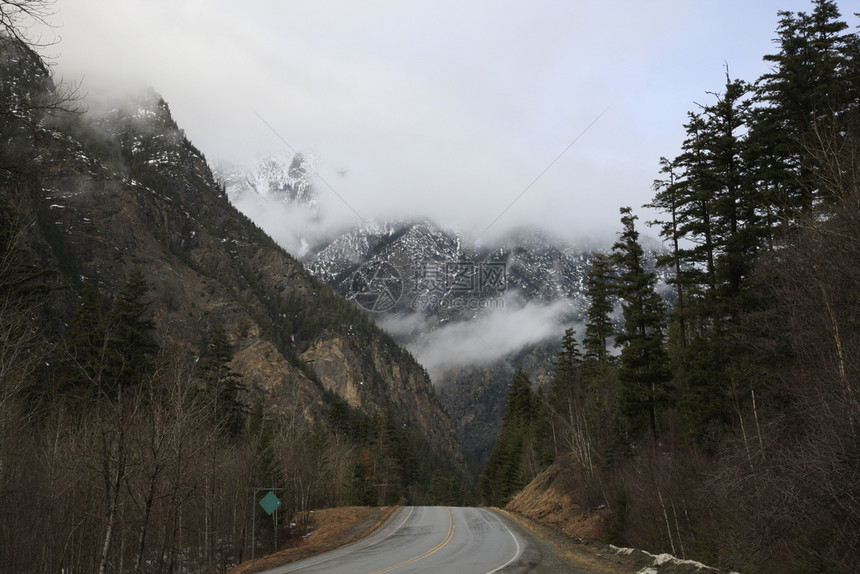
pixel 360 376
pixel 127 190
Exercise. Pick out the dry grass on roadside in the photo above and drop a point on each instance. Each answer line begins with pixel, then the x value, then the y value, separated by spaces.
pixel 550 498
pixel 330 528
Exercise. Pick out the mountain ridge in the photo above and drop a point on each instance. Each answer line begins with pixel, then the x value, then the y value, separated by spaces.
pixel 448 299
pixel 127 190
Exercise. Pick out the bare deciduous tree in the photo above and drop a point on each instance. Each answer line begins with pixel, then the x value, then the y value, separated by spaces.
pixel 22 19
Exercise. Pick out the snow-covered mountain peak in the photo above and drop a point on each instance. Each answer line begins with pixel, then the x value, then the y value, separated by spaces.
pixel 275 177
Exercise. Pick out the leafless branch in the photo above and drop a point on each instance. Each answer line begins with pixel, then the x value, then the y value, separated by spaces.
pixel 19 19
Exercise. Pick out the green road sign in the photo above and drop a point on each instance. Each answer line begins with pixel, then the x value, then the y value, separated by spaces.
pixel 270 502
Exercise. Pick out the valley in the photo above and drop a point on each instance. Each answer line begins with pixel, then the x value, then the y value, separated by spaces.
pixel 470 313
pixel 408 315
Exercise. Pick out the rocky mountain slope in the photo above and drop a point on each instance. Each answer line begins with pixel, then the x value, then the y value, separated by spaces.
pixel 105 195
pixel 470 313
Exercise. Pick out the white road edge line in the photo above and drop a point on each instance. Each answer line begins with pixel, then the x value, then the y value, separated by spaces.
pixel 350 551
pixel 516 541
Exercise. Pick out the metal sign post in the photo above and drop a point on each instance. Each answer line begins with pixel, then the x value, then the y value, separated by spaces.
pixel 270 504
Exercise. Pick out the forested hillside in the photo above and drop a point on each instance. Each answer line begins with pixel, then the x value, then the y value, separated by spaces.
pixel 161 357
pixel 726 428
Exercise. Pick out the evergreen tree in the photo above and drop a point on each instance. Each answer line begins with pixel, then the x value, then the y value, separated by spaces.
pixel 692 198
pixel 340 416
pixel 598 326
pixel 736 221
pixel 711 207
pixel 568 359
pixel 541 451
pixel 643 370
pixel 575 403
pixel 711 210
pixel 223 384
pixel 504 473
pixel 86 345
pixel 807 94
pixel 568 384
pixel 361 490
pixel 110 347
pixel 668 198
pixel 133 348
pixel 519 408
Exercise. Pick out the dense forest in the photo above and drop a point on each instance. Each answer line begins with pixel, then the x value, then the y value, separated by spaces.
pixel 129 438
pixel 726 427
pixel 723 427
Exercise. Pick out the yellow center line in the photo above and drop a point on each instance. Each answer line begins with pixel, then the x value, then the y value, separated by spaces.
pixel 448 538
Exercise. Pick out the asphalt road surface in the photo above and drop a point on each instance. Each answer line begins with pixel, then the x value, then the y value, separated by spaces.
pixel 432 539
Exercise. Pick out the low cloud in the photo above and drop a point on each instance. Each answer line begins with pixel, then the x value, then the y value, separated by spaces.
pixel 446 110
pixel 297 224
pixel 490 337
pixel 403 327
pixel 294 228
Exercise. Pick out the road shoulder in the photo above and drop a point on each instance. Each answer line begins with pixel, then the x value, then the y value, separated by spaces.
pixel 587 557
pixel 576 555
pixel 332 529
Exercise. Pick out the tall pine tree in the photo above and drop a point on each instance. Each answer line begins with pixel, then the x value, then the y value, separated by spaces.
pixel 504 473
pixel 130 339
pixel 223 384
pixel 643 370
pixel 805 96
pixel 598 325
pixel 110 347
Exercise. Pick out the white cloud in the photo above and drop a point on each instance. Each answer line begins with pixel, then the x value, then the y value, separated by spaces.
pixel 442 109
pixel 491 336
pixel 403 326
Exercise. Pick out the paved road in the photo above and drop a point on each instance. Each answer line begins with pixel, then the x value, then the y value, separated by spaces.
pixel 430 539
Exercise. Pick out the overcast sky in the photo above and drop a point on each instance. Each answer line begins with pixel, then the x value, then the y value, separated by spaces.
pixel 446 109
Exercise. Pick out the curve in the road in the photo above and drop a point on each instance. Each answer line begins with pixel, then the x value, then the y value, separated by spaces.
pixel 425 539
pixel 516 554
pixel 445 541
pixel 379 536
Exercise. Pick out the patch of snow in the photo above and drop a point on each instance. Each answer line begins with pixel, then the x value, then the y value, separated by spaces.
pixel 664 558
pixel 661 560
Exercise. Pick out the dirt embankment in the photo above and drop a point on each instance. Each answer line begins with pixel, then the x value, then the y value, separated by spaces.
pixel 550 499
pixel 547 507
pixel 330 528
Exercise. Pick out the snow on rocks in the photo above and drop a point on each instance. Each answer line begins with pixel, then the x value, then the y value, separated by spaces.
pixel 659 563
